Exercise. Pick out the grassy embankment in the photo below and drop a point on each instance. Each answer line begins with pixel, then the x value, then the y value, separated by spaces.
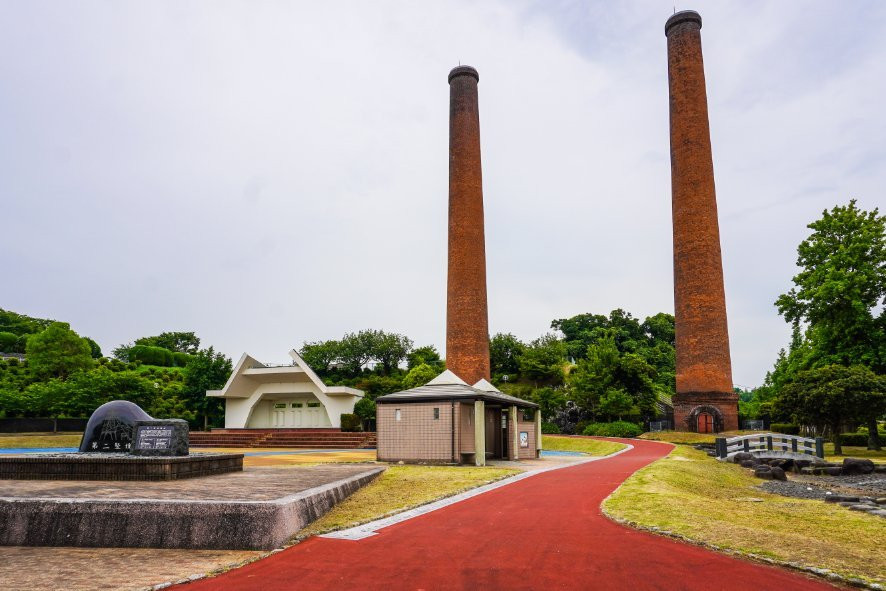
pixel 592 447
pixel 401 488
pixel 693 495
pixel 693 438
pixel 18 440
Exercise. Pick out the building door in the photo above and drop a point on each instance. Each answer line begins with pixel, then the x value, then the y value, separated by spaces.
pixel 296 414
pixel 278 415
pixel 705 423
pixel 491 430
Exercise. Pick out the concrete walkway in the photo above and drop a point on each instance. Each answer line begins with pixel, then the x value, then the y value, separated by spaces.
pixel 543 532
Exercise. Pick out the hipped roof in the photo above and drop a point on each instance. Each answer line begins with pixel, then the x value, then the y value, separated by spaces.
pixel 448 386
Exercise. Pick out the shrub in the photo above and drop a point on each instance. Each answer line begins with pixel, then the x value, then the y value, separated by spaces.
pixel 365 409
pixel 616 429
pixel 858 439
pixel 854 439
pixel 785 428
pixel 350 422
pixel 8 341
pixel 180 359
pixel 149 355
pixel 550 428
pixel 12 362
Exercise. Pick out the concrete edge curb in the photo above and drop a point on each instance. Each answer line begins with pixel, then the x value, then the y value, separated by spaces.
pixel 370 528
pixel 821 573
pixel 265 524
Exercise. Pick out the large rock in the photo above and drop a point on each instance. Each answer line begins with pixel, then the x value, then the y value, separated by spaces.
pixel 833 471
pixel 778 473
pixel 743 456
pixel 763 471
pixel 840 499
pixel 749 463
pixel 857 466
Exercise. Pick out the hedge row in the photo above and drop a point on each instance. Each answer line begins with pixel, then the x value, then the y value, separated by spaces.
pixel 785 428
pixel 616 429
pixel 859 439
pixel 149 355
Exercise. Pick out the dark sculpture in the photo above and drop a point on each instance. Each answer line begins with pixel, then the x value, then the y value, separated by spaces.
pixel 110 428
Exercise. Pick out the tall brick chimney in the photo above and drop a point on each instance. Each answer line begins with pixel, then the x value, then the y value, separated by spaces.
pixel 467 325
pixel 705 400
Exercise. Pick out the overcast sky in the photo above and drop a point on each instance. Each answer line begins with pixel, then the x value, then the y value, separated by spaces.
pixel 270 173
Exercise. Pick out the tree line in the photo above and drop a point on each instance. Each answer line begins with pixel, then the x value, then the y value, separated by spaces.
pixel 63 374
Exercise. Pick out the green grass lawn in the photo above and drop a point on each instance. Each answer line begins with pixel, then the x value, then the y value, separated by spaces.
pixel 400 488
pixel 696 496
pixel 593 447
pixel 11 440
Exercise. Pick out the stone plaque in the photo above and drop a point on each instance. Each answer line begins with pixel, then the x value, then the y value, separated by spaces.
pixel 150 437
pixel 160 437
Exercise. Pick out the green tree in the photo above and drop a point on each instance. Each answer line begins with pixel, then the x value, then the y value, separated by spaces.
pixel 419 376
pixel 356 349
pixel 94 349
pixel 320 355
pixel 831 396
pixel 840 290
pixel 208 370
pixel 543 359
pixel 57 352
pixel 549 401
pixel 615 403
pixel 178 342
pixel 8 341
pixel 504 353
pixel 427 355
pixel 389 349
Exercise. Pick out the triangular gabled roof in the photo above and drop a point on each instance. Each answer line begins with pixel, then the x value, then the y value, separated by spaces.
pixel 486 386
pixel 447 378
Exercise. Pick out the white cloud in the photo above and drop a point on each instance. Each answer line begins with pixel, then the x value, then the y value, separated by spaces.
pixel 269 173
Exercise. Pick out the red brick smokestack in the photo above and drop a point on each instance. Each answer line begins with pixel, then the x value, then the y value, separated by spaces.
pixel 705 399
pixel 467 325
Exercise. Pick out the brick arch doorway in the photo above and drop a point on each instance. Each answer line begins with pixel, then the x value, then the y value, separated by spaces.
pixel 705 419
pixel 705 422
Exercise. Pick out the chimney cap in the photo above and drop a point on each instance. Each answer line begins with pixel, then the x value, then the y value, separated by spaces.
pixel 684 16
pixel 463 71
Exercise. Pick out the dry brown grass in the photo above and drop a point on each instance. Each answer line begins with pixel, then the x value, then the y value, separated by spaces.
pixel 403 487
pixel 12 440
pixel 691 494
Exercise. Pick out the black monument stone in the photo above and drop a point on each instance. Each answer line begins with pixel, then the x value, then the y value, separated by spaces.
pixel 110 428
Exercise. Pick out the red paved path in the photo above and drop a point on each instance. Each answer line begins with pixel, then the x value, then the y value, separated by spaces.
pixel 544 532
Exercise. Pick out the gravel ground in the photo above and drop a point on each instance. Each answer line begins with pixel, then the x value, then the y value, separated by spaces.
pixel 816 487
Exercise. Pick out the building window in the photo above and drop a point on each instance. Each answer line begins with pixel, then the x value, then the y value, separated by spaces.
pixel 397 414
pixel 313 404
pixel 436 413
pixel 297 405
pixel 528 414
pixel 279 405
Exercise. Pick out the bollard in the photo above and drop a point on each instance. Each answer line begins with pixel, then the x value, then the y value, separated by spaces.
pixel 819 447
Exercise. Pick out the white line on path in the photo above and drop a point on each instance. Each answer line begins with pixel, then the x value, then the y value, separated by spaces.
pixel 370 529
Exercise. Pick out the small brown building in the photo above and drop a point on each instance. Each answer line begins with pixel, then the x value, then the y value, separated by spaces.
pixel 449 422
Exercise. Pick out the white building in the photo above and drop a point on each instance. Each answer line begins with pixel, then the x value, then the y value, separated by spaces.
pixel 260 396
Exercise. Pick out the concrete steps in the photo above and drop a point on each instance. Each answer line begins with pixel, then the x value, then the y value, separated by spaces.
pixel 297 438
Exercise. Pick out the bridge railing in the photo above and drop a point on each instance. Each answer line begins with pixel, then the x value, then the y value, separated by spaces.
pixel 761 442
